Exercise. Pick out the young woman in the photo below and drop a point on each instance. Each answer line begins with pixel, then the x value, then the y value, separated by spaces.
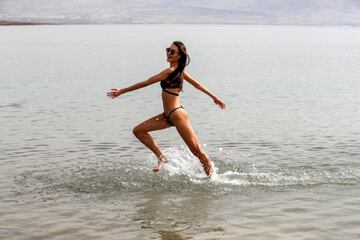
pixel 171 81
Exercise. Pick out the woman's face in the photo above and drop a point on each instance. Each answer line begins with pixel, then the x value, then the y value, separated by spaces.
pixel 173 53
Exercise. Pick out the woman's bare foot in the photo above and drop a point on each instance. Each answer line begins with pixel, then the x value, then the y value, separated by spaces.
pixel 162 159
pixel 209 168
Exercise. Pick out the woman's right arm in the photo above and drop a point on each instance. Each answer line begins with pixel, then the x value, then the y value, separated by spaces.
pixel 115 92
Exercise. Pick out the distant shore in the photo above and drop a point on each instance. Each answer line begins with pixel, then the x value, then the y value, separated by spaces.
pixel 11 23
pixel 19 23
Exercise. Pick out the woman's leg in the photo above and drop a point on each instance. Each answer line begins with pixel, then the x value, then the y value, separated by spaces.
pixel 183 125
pixel 142 130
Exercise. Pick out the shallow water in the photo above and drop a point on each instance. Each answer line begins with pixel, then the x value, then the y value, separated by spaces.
pixel 286 148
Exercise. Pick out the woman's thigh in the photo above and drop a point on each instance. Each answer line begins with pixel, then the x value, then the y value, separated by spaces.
pixel 157 122
pixel 184 128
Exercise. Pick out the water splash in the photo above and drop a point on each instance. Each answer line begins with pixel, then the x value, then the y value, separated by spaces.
pixel 183 173
pixel 183 163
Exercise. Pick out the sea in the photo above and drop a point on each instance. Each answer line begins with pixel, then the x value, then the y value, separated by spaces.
pixel 286 148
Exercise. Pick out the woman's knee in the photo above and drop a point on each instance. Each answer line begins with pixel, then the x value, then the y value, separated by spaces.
pixel 138 131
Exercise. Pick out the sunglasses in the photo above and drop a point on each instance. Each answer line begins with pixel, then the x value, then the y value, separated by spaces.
pixel 170 51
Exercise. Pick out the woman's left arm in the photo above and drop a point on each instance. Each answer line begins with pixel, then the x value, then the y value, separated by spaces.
pixel 197 85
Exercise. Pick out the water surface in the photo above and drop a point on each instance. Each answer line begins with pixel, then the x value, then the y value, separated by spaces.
pixel 286 148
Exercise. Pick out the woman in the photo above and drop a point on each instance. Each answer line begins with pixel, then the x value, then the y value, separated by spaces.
pixel 171 81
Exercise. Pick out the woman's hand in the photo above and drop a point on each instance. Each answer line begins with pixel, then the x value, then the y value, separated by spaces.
pixel 219 102
pixel 115 92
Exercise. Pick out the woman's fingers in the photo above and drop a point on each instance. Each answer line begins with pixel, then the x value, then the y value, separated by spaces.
pixel 220 103
pixel 113 93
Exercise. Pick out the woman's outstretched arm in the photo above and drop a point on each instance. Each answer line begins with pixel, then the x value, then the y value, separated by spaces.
pixel 197 85
pixel 115 92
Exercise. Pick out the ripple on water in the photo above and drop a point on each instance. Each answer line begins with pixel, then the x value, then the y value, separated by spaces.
pixel 12 105
pixel 103 146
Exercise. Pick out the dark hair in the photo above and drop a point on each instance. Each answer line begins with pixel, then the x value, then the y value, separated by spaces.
pixel 183 61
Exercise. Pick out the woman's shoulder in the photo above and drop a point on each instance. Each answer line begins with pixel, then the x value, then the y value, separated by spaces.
pixel 168 70
pixel 185 74
pixel 171 69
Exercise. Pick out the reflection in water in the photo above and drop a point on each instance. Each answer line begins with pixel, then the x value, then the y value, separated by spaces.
pixel 172 216
pixel 173 235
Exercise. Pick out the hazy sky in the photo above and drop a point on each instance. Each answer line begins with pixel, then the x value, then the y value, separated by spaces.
pixel 302 12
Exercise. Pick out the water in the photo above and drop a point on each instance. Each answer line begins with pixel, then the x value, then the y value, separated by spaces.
pixel 286 148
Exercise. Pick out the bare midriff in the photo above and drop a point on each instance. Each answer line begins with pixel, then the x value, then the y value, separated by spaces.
pixel 170 101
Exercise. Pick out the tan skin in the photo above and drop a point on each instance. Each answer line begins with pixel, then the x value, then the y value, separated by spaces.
pixel 180 117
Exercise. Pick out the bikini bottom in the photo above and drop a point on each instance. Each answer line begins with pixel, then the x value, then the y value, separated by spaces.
pixel 168 118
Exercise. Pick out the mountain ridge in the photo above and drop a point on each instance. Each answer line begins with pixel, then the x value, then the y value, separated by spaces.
pixel 276 12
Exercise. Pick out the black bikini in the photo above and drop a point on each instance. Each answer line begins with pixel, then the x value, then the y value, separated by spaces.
pixel 171 83
pixel 168 119
pixel 174 83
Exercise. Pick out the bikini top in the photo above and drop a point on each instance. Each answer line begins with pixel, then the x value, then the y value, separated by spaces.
pixel 171 83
